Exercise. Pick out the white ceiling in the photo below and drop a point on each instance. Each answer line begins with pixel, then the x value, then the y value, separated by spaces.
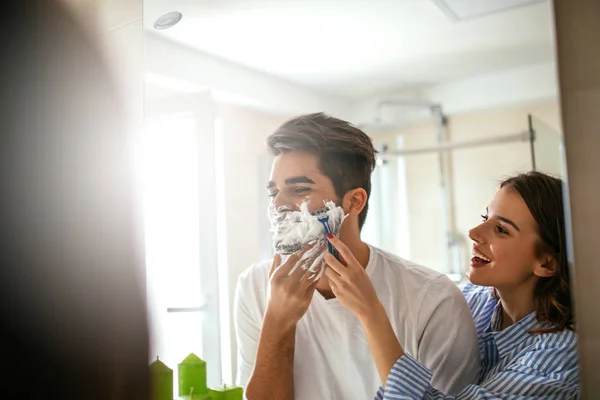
pixel 359 48
pixel 463 9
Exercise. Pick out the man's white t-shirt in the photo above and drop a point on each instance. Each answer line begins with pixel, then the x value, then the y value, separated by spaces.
pixel 332 360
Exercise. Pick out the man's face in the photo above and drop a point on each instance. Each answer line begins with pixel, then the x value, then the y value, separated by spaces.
pixel 295 178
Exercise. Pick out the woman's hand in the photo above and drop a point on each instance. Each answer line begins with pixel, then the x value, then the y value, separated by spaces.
pixel 350 283
pixel 354 289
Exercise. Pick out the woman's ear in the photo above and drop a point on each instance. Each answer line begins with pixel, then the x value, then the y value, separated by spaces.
pixel 354 201
pixel 545 267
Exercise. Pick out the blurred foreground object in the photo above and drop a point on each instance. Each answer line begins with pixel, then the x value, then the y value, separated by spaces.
pixel 73 308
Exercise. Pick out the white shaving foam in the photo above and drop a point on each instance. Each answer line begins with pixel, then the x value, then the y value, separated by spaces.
pixel 294 229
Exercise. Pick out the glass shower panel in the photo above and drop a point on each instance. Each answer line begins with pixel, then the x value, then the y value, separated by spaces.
pixel 406 215
pixel 405 208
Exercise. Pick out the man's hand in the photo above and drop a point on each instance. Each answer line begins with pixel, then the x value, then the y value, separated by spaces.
pixel 290 288
pixel 289 294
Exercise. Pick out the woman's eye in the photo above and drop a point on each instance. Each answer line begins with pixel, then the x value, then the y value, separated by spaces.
pixel 500 229
pixel 484 218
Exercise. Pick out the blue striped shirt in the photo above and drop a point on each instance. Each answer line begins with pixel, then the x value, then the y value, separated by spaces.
pixel 515 364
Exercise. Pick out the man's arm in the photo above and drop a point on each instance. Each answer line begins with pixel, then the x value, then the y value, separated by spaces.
pixel 270 354
pixel 273 374
pixel 265 357
pixel 448 345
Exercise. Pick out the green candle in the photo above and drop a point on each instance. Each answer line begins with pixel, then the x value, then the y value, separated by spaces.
pixel 226 392
pixel 161 380
pixel 192 378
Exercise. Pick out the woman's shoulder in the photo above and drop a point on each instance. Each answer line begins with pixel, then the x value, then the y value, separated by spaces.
pixel 551 354
pixel 470 288
pixel 563 341
pixel 477 294
pixel 482 303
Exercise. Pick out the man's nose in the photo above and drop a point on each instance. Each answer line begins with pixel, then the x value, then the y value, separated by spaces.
pixel 281 202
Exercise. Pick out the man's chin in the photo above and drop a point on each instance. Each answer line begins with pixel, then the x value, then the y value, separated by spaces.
pixel 287 249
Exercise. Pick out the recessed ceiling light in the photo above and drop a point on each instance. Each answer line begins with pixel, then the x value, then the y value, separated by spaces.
pixel 168 20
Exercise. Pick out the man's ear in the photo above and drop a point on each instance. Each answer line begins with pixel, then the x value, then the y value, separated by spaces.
pixel 545 267
pixel 354 201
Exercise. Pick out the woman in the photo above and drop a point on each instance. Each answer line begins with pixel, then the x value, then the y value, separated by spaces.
pixel 519 296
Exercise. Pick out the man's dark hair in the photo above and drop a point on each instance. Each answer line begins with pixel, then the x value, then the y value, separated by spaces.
pixel 346 154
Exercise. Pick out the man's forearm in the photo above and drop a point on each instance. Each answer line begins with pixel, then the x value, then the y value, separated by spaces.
pixel 273 374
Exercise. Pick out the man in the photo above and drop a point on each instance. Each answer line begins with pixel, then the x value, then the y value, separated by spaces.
pixel 295 343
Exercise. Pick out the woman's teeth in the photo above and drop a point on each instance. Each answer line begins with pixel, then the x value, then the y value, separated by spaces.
pixel 481 256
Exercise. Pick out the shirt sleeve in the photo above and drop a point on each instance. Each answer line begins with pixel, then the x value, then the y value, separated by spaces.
pixel 247 332
pixel 448 346
pixel 408 379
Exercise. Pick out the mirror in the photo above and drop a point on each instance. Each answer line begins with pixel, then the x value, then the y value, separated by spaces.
pixel 456 96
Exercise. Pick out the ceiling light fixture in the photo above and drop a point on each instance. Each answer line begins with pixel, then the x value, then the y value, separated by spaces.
pixel 168 20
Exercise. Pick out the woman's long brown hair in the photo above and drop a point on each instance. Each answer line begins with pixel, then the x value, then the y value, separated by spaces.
pixel 543 195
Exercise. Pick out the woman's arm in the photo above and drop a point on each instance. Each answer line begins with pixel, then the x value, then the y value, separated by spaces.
pixel 448 343
pixel 382 340
pixel 449 350
pixel 408 379
pixel 353 288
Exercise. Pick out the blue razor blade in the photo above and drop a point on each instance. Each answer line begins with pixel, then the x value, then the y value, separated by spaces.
pixel 332 249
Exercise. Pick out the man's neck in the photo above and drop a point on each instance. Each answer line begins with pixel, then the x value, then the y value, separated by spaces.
pixel 359 249
pixel 350 236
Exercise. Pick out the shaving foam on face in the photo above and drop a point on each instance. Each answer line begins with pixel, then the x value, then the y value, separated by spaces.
pixel 294 229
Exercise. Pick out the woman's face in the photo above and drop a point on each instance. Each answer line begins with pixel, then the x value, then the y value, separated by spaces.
pixel 504 244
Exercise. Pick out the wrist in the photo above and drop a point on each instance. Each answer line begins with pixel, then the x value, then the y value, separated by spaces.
pixel 374 316
pixel 279 323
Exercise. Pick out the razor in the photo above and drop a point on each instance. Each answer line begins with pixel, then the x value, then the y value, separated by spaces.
pixel 323 218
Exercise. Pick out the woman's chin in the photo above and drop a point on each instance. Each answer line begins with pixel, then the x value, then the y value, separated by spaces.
pixel 477 276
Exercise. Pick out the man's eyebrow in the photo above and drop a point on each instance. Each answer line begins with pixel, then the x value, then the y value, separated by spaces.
pixel 293 180
pixel 299 179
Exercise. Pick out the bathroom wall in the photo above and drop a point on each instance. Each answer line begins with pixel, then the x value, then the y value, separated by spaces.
pixel 475 172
